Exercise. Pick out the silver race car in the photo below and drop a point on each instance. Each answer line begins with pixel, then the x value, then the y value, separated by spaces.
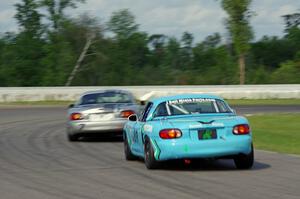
pixel 100 112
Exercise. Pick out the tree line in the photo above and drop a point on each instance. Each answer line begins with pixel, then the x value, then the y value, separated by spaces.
pixel 49 44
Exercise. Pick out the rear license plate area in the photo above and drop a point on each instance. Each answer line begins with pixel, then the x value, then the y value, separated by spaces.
pixel 207 134
pixel 100 117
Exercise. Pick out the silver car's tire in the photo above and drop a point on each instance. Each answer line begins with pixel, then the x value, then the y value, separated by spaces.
pixel 73 137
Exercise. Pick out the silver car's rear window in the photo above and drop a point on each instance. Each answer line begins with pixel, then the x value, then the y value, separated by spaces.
pixel 106 97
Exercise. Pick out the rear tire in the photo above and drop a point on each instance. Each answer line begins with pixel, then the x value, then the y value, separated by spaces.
pixel 128 154
pixel 150 160
pixel 243 161
pixel 73 138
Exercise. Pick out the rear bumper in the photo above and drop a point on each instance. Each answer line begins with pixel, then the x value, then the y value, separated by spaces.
pixel 95 127
pixel 178 149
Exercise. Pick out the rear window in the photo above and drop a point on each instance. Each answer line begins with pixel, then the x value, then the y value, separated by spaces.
pixel 191 106
pixel 107 97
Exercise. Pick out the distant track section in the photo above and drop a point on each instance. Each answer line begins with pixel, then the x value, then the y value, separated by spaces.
pixel 287 91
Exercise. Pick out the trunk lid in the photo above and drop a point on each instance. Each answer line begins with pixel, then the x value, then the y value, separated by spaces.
pixel 192 127
pixel 103 112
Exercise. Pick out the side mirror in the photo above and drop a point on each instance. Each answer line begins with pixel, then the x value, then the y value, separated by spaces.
pixel 71 106
pixel 133 118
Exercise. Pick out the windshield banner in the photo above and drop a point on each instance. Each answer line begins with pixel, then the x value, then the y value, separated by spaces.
pixel 190 100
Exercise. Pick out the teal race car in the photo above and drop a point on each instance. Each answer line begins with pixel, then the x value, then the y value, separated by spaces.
pixel 194 126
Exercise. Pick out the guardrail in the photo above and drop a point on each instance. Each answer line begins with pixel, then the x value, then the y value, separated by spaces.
pixel 288 91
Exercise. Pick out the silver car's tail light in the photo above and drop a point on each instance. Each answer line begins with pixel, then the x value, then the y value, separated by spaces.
pixel 76 116
pixel 127 113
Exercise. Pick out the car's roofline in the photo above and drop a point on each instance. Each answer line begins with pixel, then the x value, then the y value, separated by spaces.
pixel 159 100
pixel 105 91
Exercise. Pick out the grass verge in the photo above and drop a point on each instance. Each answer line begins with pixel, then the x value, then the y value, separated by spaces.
pixel 264 102
pixel 278 133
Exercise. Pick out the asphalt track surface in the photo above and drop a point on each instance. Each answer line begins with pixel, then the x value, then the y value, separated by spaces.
pixel 37 162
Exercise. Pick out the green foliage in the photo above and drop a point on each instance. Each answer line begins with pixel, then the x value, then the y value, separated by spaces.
pixel 258 75
pixel 186 50
pixel 240 30
pixel 271 51
pixel 293 35
pixel 122 23
pixel 291 21
pixel 56 9
pixel 29 19
pixel 21 54
pixel 238 23
pixel 58 61
pixel 289 73
pixel 48 45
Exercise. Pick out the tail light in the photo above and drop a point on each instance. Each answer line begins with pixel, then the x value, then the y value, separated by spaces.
pixel 127 113
pixel 242 129
pixel 76 116
pixel 170 133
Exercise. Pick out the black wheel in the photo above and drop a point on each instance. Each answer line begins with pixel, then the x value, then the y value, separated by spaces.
pixel 73 138
pixel 150 161
pixel 244 161
pixel 128 154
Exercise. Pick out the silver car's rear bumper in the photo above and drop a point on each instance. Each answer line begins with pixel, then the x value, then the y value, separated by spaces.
pixel 75 127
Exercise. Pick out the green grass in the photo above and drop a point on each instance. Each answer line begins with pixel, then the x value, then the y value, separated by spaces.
pixel 264 102
pixel 280 133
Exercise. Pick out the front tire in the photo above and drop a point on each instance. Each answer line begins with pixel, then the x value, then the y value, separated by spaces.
pixel 150 160
pixel 128 154
pixel 243 161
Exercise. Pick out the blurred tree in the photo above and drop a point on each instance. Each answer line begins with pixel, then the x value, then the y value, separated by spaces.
pixel 293 38
pixel 22 52
pixel 77 32
pixel 240 30
pixel 59 57
pixel 44 55
pixel 129 52
pixel 205 52
pixel 272 51
pixel 288 73
pixel 187 50
pixel 157 44
pixel 212 41
pixel 172 58
pixel 122 23
pixel 29 19
pixel 291 21
pixel 56 9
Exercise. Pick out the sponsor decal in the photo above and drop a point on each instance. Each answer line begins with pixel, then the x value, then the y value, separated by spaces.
pixel 217 124
pixel 148 128
pixel 190 100
pixel 193 126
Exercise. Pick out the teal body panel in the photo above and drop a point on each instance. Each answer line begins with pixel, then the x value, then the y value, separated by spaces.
pixel 189 145
pixel 178 149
